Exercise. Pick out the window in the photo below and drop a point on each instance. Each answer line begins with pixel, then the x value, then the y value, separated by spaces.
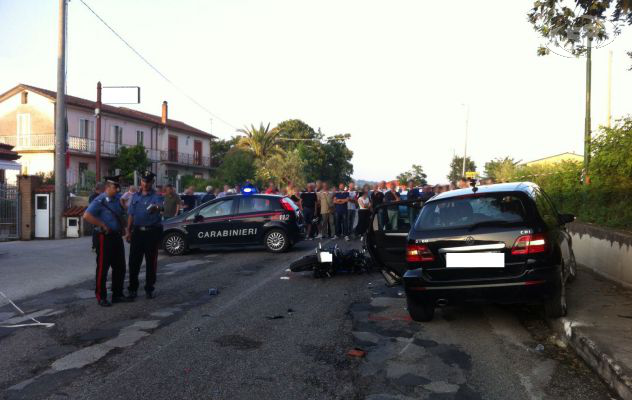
pixel 83 167
pixel 24 124
pixel 219 209
pixel 198 175
pixel 257 204
pixel 546 209
pixel 117 133
pixel 462 212
pixel 140 137
pixel 86 129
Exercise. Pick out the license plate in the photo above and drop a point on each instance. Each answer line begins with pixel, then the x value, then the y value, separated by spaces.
pixel 475 260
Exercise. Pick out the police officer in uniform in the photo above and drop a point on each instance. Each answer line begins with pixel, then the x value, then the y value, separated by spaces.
pixel 106 213
pixel 144 232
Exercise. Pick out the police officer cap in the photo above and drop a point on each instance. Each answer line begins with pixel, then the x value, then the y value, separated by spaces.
pixel 148 176
pixel 112 179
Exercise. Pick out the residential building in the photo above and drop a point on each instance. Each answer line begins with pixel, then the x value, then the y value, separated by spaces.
pixel 9 167
pixel 556 159
pixel 27 122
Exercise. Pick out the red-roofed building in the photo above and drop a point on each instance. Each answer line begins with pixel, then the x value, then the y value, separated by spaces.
pixel 27 122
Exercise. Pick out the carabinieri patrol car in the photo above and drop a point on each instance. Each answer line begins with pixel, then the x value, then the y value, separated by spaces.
pixel 242 219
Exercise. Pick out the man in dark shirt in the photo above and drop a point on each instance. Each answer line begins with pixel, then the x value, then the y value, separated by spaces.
pixel 208 196
pixel 392 212
pixel 308 204
pixel 341 198
pixel 188 199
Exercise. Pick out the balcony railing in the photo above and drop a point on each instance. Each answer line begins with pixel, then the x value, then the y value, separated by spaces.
pixel 194 160
pixel 44 141
pixel 108 149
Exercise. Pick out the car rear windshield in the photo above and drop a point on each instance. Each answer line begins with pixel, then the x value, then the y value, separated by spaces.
pixel 488 209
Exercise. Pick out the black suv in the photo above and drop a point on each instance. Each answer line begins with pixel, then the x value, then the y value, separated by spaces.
pixel 271 220
pixel 503 243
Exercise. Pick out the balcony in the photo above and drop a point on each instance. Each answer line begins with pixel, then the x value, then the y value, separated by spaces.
pixel 185 159
pixel 108 149
pixel 39 142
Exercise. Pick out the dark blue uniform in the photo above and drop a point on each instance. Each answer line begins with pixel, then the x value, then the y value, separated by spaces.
pixel 146 236
pixel 109 246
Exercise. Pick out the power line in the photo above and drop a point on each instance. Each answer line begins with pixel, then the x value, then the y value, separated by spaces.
pixel 163 76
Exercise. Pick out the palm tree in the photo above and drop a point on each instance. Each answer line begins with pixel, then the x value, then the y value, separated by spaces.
pixel 262 142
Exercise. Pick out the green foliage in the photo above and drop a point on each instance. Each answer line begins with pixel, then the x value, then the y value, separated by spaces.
pixel 237 167
pixel 415 173
pixel 132 159
pixel 501 169
pixel 221 147
pixel 566 24
pixel 606 200
pixel 262 141
pixel 456 168
pixel 199 184
pixel 295 133
pixel 283 169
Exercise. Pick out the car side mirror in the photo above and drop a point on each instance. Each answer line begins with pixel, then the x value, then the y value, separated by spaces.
pixel 198 218
pixel 567 218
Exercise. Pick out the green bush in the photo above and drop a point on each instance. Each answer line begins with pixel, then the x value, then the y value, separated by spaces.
pixel 607 199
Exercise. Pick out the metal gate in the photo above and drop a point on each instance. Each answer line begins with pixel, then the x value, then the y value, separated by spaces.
pixel 9 212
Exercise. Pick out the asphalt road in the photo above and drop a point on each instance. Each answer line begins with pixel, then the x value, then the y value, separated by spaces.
pixel 264 337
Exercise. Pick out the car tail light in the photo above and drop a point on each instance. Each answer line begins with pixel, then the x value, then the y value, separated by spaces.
pixel 286 205
pixel 416 253
pixel 529 244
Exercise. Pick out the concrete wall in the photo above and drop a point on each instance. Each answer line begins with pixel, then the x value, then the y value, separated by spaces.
pixel 606 251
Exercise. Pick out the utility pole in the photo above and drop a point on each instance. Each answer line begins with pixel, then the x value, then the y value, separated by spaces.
pixel 609 119
pixel 60 124
pixel 467 124
pixel 587 128
pixel 97 151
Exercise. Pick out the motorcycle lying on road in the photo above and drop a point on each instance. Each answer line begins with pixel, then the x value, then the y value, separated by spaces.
pixel 327 262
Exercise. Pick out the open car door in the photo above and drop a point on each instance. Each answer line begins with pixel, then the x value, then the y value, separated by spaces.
pixel 387 235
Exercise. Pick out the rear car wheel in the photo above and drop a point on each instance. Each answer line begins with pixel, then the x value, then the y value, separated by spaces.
pixel 418 311
pixel 276 241
pixel 174 244
pixel 555 307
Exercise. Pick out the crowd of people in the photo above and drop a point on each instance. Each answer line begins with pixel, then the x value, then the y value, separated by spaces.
pixel 334 212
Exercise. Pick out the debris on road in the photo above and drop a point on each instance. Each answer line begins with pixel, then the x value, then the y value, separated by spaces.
pixel 356 352
pixel 213 291
pixel 539 348
pixel 285 278
pixel 275 317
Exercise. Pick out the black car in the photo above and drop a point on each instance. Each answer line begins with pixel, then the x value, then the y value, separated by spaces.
pixel 503 243
pixel 271 220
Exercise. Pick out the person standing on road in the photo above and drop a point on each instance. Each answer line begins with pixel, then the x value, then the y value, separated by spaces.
pixel 208 196
pixel 106 213
pixel 326 202
pixel 98 189
pixel 341 199
pixel 172 202
pixel 308 206
pixel 364 212
pixel 189 199
pixel 352 210
pixel 392 211
pixel 144 232
pixel 128 195
pixel 377 198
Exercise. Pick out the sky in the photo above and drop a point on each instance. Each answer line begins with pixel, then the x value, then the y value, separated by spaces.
pixel 394 74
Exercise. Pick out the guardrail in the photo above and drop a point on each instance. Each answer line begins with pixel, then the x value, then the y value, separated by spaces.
pixel 112 149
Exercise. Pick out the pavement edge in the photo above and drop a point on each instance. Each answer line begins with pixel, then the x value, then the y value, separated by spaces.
pixel 609 370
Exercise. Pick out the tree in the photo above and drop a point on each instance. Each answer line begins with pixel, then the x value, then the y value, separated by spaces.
pixel 456 168
pixel 283 169
pixel 566 24
pixel 611 162
pixel 262 141
pixel 221 147
pixel 415 173
pixel 132 159
pixel 501 169
pixel 336 166
pixel 295 133
pixel 237 167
